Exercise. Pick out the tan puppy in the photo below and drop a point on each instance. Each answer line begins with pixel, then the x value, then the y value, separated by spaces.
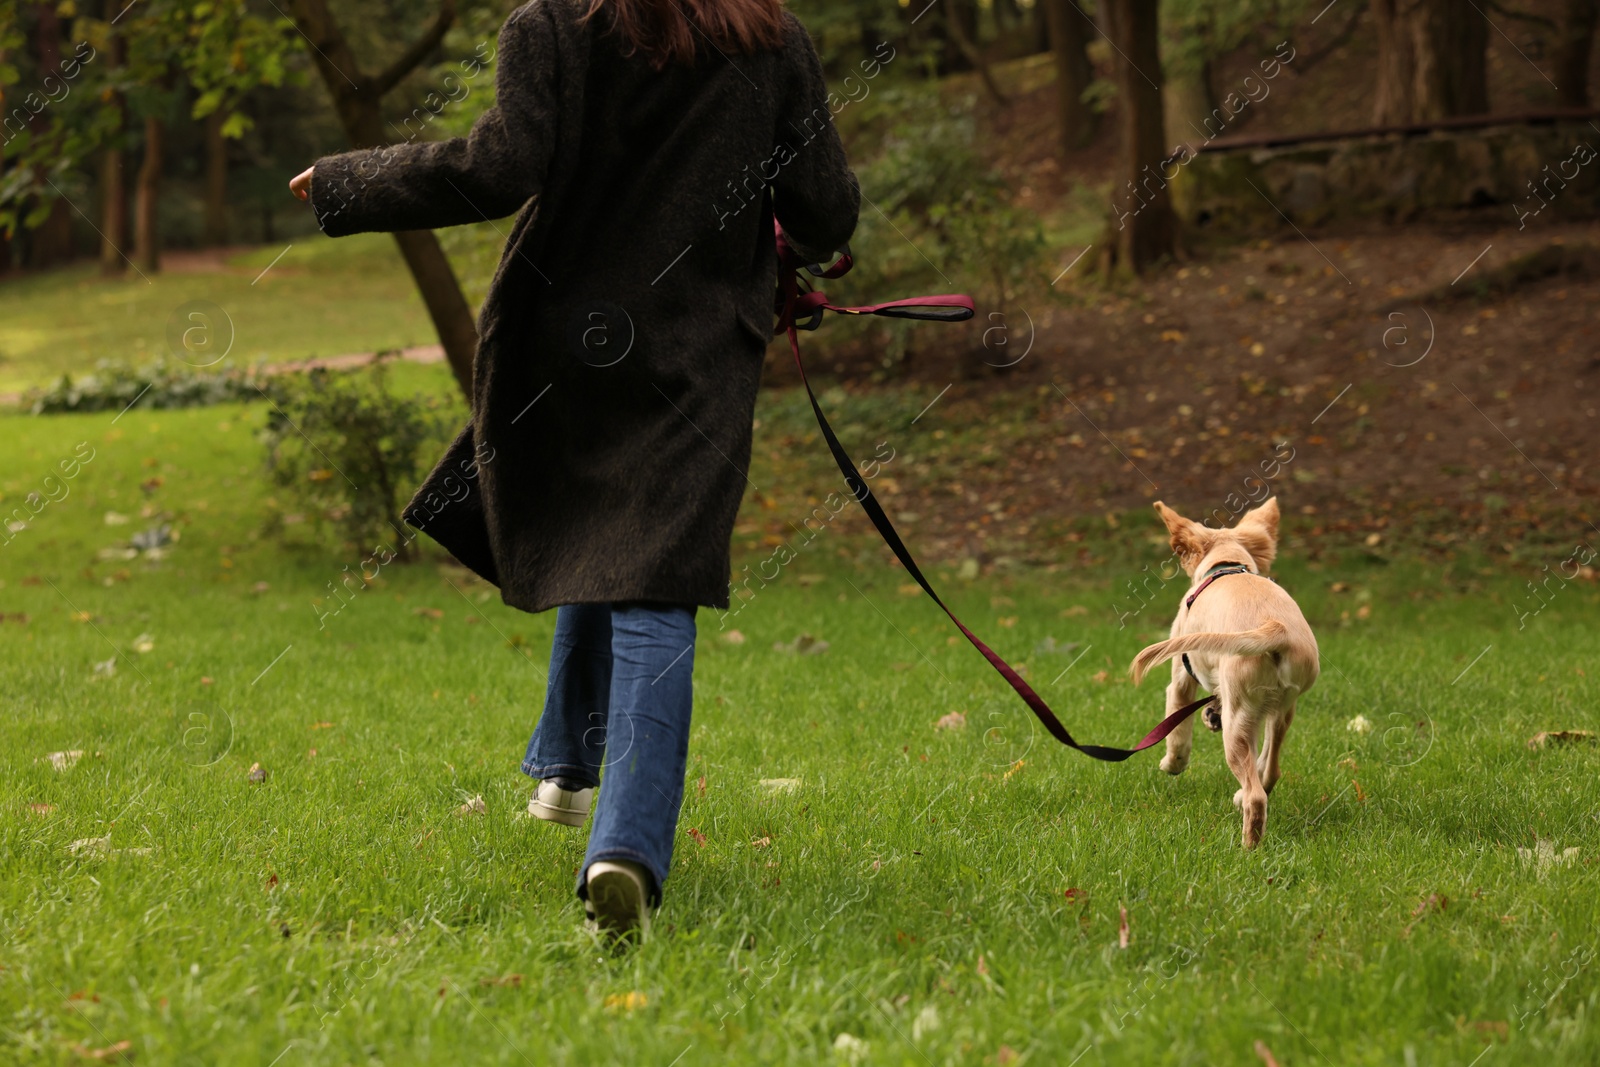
pixel 1246 641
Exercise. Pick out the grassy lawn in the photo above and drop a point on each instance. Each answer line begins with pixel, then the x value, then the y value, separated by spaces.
pixel 321 298
pixel 942 896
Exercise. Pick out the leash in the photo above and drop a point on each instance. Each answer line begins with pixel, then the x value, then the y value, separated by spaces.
pixel 792 302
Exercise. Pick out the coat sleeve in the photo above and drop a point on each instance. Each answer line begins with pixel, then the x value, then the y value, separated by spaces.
pixel 488 174
pixel 816 196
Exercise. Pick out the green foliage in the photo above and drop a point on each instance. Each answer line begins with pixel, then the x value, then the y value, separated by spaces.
pixel 940 215
pixel 1197 32
pixel 117 384
pixel 350 451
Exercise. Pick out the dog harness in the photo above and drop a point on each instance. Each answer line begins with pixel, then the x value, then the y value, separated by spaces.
pixel 792 302
pixel 1211 718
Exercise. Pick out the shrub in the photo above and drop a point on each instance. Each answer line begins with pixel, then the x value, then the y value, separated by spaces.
pixel 350 452
pixel 117 384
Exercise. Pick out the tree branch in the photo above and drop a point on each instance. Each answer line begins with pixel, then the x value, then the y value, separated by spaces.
pixel 411 57
pixel 975 57
pixel 1334 44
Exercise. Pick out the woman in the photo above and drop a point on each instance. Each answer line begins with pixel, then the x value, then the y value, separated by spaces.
pixel 648 145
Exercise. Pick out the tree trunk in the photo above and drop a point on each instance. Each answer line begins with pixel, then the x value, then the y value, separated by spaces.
pixel 356 97
pixel 1432 60
pixel 958 22
pixel 113 176
pixel 1070 33
pixel 216 215
pixel 1572 54
pixel 1394 102
pixel 1452 73
pixel 1191 107
pixel 147 197
pixel 1143 208
pixel 51 241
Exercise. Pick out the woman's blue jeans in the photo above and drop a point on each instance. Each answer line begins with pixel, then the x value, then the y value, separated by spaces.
pixel 619 699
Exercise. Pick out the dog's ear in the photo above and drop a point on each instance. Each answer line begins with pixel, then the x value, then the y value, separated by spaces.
pixel 1258 532
pixel 1189 539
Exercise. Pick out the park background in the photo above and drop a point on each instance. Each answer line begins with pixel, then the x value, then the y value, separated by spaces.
pixel 258 789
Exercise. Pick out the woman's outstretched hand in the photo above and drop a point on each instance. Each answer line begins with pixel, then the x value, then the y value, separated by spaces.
pixel 300 184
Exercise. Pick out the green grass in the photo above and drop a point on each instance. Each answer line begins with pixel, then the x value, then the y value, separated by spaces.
pixel 322 298
pixel 915 890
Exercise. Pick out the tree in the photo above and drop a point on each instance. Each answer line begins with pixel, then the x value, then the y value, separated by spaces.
pixel 1070 33
pixel 357 96
pixel 1145 227
pixel 1572 53
pixel 1432 60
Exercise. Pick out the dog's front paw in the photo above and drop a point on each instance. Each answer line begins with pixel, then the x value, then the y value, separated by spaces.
pixel 1173 763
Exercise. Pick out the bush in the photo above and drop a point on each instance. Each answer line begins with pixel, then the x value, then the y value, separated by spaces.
pixel 116 384
pixel 350 452
pixel 947 219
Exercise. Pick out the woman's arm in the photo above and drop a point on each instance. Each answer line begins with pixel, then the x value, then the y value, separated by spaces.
pixel 490 173
pixel 816 197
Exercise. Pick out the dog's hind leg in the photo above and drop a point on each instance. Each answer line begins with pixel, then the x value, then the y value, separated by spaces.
pixel 1180 741
pixel 1271 745
pixel 1238 744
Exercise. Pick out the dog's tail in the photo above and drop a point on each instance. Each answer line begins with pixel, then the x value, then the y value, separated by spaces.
pixel 1270 636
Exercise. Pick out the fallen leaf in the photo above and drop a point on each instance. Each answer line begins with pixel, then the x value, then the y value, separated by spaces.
pixel 779 785
pixel 116 518
pixel 1547 738
pixel 909 589
pixel 699 838
pixel 431 613
pixel 1007 622
pixel 41 809
pixel 1339 587
pixel 850 1047
pixel 954 720
pixel 1100 676
pixel 1543 856
pixel 1006 1055
pixel 803 644
pixel 1076 609
pixel 119 1051
pixel 701 785
pixel 322 725
pixel 733 637
pixel 81 616
pixel 259 588
pixel 106 668
pixel 807 580
pixel 144 644
pixel 983 966
pixel 1076 894
pixel 1015 767
pixel 90 845
pixel 512 980
pixel 257 773
pixel 1122 927
pixel 62 761
pixel 475 806
pixel 760 842
pixel 1266 1054
pixel 1435 902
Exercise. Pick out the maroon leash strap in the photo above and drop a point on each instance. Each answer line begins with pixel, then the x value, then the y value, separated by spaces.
pixel 951 308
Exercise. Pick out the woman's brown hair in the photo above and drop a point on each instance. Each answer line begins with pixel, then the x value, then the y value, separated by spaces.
pixel 669 31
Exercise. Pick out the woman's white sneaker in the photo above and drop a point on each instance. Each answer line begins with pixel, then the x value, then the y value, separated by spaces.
pixel 619 898
pixel 561 800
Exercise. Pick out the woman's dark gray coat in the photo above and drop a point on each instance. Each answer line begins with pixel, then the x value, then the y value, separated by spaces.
pixel 620 344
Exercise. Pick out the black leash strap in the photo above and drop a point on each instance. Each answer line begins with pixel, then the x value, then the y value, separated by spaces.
pixel 790 297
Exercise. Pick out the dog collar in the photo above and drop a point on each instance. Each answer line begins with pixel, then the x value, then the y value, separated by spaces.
pixel 1221 570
